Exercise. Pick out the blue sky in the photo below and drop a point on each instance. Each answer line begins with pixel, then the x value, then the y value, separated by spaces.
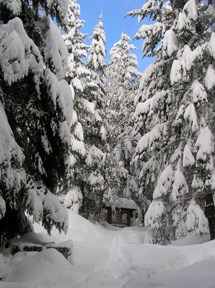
pixel 114 20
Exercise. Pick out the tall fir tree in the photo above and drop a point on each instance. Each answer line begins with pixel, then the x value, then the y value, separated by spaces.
pixel 122 85
pixel 96 60
pixel 96 133
pixel 175 118
pixel 76 74
pixel 36 113
pixel 87 177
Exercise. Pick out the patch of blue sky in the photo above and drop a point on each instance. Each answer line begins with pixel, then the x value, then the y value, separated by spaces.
pixel 115 22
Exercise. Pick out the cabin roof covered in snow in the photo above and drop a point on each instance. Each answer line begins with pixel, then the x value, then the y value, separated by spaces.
pixel 123 203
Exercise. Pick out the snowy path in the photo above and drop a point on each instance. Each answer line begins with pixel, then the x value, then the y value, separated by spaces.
pixel 105 258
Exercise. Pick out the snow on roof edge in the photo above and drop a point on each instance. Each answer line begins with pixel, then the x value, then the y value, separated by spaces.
pixel 123 203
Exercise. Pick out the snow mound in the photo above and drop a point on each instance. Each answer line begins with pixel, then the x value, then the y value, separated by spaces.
pixel 11 285
pixel 198 275
pixel 192 238
pixel 79 230
pixel 48 264
pixel 82 230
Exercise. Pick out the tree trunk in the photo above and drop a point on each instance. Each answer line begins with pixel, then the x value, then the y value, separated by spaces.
pixel 13 224
pixel 210 214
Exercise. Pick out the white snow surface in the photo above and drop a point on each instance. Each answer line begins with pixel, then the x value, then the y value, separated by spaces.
pixel 198 92
pixel 196 220
pixel 150 104
pixel 147 140
pixel 164 183
pixel 78 146
pixel 188 57
pixel 15 6
pixel 188 158
pixel 56 51
pixel 18 53
pixel 190 10
pixel 182 21
pixel 211 44
pixel 8 146
pixel 123 203
pixel 11 175
pixel 110 257
pixel 204 143
pixel 180 186
pixel 176 72
pixel 191 116
pixel 61 96
pixel 170 44
pixel 95 155
pixel 210 78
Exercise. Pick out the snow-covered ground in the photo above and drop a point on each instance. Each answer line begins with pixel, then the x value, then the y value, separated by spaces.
pixel 108 258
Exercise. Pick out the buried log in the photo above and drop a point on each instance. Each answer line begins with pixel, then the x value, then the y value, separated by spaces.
pixel 64 248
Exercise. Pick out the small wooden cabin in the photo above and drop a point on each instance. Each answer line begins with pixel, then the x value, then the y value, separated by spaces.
pixel 122 214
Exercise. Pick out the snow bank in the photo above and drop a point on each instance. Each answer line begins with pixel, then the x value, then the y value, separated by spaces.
pixel 198 275
pixel 192 238
pixel 79 230
pixel 82 230
pixel 36 269
pixel 12 285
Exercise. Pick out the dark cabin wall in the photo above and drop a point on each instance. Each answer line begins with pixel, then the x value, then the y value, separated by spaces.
pixel 119 212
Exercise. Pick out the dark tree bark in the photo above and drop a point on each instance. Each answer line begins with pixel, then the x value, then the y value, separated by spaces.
pixel 13 224
pixel 210 214
pixel 176 4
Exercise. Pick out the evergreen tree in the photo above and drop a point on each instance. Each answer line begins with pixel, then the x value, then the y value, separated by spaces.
pixel 96 60
pixel 77 49
pixel 35 114
pixel 123 80
pixel 76 75
pixel 87 179
pixel 94 127
pixel 174 118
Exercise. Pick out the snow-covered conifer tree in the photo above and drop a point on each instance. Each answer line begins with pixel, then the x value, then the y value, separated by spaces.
pixel 77 72
pixel 95 131
pixel 96 59
pixel 35 115
pixel 123 81
pixel 77 49
pixel 87 175
pixel 174 117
